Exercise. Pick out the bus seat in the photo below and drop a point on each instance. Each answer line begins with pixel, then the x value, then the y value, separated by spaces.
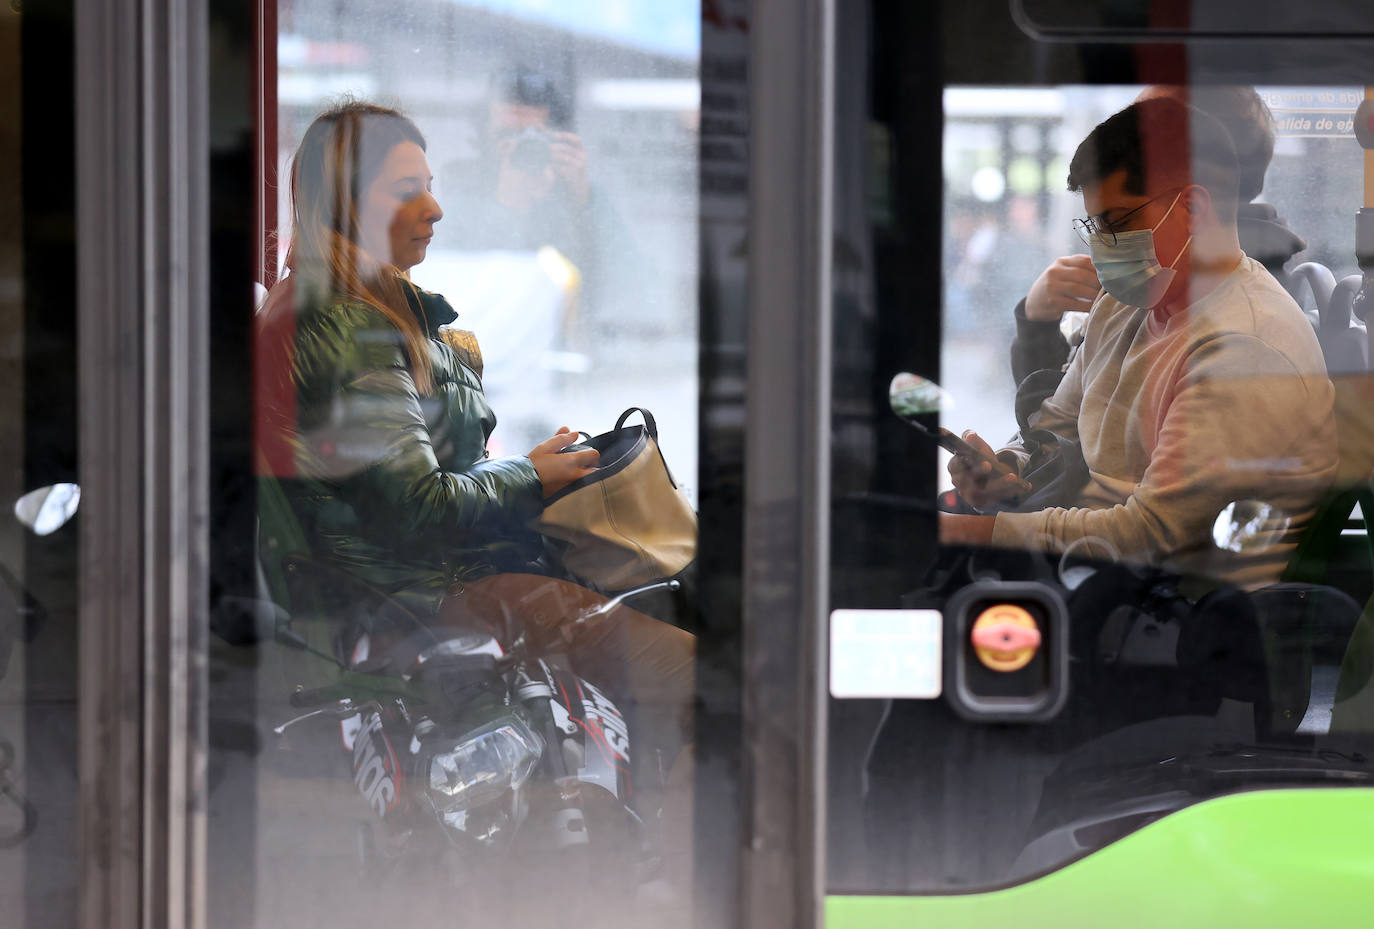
pixel 1276 649
pixel 1346 348
pixel 1353 711
pixel 1319 281
pixel 1344 341
pixel 1353 702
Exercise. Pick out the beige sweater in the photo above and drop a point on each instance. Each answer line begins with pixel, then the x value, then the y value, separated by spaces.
pixel 1227 401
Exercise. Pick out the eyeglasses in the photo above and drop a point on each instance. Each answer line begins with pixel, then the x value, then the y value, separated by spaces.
pixel 1087 228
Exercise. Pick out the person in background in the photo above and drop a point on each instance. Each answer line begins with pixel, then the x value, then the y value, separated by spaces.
pixel 532 189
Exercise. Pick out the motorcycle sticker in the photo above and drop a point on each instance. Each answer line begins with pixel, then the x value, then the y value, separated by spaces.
pixel 599 711
pixel 349 729
pixel 375 771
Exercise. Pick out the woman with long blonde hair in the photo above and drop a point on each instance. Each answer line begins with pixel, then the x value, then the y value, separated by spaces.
pixel 375 429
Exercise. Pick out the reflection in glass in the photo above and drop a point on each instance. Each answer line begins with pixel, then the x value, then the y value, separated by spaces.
pixel 1166 409
pixel 1192 676
pixel 911 395
pixel 1248 524
pixel 47 509
pixel 565 156
pixel 509 752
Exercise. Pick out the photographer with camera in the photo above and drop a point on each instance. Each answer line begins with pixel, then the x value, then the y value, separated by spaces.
pixel 533 189
pixel 537 162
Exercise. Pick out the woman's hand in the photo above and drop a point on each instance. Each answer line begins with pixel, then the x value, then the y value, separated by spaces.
pixel 558 470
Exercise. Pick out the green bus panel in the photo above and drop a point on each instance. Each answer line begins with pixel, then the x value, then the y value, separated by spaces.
pixel 1272 859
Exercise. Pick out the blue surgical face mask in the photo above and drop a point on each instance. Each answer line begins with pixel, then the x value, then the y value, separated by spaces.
pixel 1129 270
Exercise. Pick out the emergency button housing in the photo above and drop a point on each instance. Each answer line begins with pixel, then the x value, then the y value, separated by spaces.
pixel 1006 652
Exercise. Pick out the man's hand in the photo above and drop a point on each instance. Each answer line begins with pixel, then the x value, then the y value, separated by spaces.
pixel 960 529
pixel 1069 283
pixel 570 166
pixel 557 470
pixel 975 480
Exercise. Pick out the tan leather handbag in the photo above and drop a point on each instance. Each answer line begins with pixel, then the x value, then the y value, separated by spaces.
pixel 627 524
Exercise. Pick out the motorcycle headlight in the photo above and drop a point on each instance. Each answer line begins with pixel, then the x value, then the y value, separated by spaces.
pixel 492 759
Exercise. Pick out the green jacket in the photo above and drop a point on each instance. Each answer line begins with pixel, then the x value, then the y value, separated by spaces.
pixel 390 486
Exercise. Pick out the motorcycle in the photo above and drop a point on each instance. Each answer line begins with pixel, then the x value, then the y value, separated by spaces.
pixel 484 757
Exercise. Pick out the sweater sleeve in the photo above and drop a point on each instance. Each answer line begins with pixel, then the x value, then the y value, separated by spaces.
pixel 1244 424
pixel 1036 345
pixel 367 432
pixel 1058 413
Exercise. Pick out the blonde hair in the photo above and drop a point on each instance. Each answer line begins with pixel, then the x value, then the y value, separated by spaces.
pixel 340 155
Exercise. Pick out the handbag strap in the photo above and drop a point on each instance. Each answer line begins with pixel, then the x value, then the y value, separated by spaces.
pixel 648 420
pixel 652 428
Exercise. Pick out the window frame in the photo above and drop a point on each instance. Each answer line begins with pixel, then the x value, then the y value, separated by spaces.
pixel 787 461
pixel 142 156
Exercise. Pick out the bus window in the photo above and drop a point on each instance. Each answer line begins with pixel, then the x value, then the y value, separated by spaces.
pixel 479 239
pixel 1069 660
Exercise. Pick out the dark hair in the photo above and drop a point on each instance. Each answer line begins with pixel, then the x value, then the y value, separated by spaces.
pixel 530 87
pixel 341 154
pixel 1160 143
pixel 1246 117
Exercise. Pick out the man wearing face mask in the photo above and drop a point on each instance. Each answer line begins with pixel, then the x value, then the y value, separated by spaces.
pixel 1070 282
pixel 1199 382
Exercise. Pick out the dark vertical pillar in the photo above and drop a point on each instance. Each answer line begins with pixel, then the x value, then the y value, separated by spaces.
pixel 242 224
pixel 787 462
pixel 49 456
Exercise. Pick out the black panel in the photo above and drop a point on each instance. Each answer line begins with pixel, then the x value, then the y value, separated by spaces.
pixel 48 780
pixel 983 44
pixel 233 847
pixel 1138 20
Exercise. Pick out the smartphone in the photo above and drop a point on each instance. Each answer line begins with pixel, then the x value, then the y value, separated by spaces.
pixel 957 446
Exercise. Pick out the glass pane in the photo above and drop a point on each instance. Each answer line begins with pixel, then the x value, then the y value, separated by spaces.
pixel 563 150
pixel 38 776
pixel 1136 17
pixel 1184 389
pixel 485 234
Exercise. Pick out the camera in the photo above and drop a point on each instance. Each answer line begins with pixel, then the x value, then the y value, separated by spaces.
pixel 532 151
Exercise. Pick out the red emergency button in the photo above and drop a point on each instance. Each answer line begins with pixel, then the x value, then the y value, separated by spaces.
pixel 1005 637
